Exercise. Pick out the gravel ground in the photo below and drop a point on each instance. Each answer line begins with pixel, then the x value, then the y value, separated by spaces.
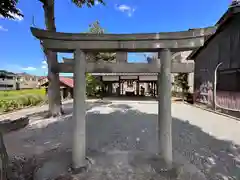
pixel 209 141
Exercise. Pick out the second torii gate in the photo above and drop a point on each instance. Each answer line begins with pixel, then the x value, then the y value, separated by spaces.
pixel 163 43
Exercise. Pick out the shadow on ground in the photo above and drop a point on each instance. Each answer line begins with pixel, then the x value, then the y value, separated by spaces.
pixel 128 130
pixel 68 109
pixel 131 98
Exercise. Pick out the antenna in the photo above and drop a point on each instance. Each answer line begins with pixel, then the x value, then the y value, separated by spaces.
pixel 33 21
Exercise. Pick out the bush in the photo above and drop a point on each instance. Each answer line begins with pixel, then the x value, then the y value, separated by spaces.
pixel 177 94
pixel 189 98
pixel 92 85
pixel 12 103
pixel 11 93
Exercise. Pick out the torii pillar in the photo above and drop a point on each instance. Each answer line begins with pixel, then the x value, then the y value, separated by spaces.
pixel 164 107
pixel 79 111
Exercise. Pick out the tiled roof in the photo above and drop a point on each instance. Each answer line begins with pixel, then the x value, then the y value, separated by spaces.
pixel 67 81
pixel 4 72
pixel 42 77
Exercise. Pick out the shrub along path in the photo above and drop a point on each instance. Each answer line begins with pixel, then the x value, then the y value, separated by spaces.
pixel 18 99
pixel 28 111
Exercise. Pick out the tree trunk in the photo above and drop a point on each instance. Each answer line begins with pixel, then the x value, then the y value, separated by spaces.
pixel 54 98
pixel 3 159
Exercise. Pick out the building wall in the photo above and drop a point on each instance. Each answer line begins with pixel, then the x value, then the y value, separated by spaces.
pixel 8 83
pixel 28 82
pixel 225 48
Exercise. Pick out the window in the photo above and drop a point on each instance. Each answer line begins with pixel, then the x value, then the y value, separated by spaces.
pixel 228 80
pixel 6 86
pixel 6 77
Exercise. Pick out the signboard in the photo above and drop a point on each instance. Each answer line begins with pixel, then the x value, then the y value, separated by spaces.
pixel 110 78
pixel 129 77
pixel 148 78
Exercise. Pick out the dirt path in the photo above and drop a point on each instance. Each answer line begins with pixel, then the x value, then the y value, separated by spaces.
pixel 209 141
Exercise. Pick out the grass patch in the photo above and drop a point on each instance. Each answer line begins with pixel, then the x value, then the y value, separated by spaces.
pixel 11 93
pixel 17 99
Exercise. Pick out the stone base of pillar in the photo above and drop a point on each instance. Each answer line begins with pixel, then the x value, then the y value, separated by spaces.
pixel 79 170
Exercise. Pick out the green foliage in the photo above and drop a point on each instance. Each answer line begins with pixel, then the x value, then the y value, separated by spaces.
pixel 95 28
pixel 11 93
pixel 17 99
pixel 9 10
pixel 92 85
pixel 181 80
pixel 10 104
pixel 89 3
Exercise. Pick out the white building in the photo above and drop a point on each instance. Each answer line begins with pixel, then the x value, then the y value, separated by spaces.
pixel 12 81
pixel 8 80
pixel 27 81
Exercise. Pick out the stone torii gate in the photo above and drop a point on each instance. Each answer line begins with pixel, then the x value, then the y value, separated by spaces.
pixel 163 43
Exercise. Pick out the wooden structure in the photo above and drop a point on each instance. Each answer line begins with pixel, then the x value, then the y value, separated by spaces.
pixel 125 81
pixel 117 84
pixel 66 86
pixel 223 46
pixel 163 43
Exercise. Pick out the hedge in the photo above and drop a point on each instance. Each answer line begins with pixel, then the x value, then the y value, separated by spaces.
pixel 16 99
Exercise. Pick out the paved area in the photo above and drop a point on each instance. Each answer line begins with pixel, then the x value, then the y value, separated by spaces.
pixel 209 141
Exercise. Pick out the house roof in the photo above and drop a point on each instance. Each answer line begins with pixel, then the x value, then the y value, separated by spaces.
pixel 219 27
pixel 64 80
pixel 42 77
pixel 67 81
pixel 6 73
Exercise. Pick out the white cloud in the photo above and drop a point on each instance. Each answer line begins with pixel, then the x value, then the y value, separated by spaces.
pixel 3 29
pixel 29 68
pixel 125 9
pixel 44 64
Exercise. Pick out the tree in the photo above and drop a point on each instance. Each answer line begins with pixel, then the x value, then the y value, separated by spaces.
pixel 9 10
pixel 93 83
pixel 95 28
pixel 3 159
pixel 55 107
pixel 181 80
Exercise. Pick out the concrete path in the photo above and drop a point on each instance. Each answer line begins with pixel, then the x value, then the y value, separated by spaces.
pixel 207 140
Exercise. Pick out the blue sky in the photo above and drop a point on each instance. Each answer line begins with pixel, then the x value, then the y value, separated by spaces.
pixel 21 52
